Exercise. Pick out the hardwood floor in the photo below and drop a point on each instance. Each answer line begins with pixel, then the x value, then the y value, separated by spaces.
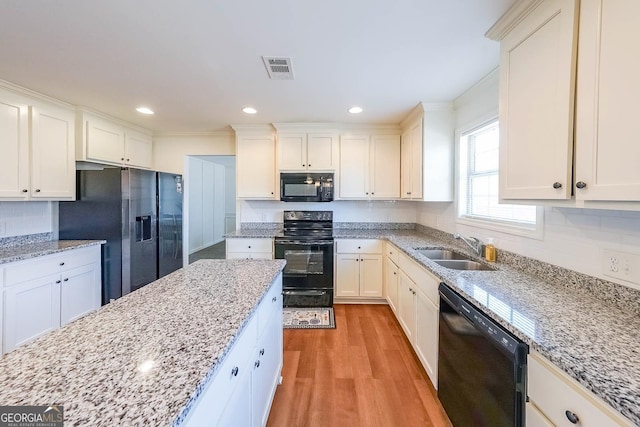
pixel 363 373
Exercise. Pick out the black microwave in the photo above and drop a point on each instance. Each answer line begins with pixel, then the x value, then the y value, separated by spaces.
pixel 306 187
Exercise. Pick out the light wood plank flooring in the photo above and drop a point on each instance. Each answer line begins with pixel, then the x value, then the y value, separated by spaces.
pixel 363 373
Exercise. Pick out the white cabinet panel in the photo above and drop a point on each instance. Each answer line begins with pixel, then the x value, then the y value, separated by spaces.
pixel 607 150
pixel 307 151
pixel 292 151
pixel 536 103
pixel 371 275
pixel 321 151
pixel 354 166
pixel 407 306
pixel 138 149
pixel 347 275
pixel 79 292
pixel 385 167
pixel 32 309
pixel 391 284
pixel 359 270
pixel 256 167
pixel 14 145
pixel 53 172
pixel 104 140
pixel 426 335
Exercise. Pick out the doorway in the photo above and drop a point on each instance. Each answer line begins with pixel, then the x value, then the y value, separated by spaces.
pixel 210 194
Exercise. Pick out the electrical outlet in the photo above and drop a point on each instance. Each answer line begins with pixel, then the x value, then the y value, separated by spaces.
pixel 621 265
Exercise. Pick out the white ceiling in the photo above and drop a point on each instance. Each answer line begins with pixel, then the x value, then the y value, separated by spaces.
pixel 198 62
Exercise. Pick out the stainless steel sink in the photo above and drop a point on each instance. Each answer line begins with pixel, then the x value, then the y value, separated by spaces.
pixel 458 264
pixel 442 254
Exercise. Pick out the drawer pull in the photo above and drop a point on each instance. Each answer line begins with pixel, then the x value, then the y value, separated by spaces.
pixel 234 371
pixel 573 418
pixel 257 364
pixel 274 299
pixel 249 247
pixel 262 352
pixel 58 281
pixel 66 280
pixel 61 264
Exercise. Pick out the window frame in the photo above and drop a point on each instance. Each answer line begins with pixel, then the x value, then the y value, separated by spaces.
pixel 504 226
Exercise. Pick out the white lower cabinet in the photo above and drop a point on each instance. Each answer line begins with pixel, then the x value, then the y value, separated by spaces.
pixel 242 390
pixel 426 335
pixel 47 292
pixel 412 293
pixel 391 284
pixel 358 269
pixel 32 309
pixel 407 305
pixel 558 398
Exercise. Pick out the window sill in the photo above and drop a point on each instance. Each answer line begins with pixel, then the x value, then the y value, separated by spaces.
pixel 536 232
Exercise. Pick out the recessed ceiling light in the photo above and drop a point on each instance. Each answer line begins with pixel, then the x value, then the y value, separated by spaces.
pixel 144 110
pixel 249 110
pixel 355 110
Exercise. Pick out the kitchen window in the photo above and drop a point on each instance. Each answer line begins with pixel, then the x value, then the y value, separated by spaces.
pixel 478 202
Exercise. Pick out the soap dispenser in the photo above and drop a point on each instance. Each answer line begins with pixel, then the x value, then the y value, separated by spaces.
pixel 490 250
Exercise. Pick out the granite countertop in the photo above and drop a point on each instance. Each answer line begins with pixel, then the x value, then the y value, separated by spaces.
pixel 37 249
pixel 592 339
pixel 254 234
pixel 184 322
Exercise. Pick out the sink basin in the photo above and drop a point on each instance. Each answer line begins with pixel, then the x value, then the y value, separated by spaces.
pixel 442 254
pixel 458 264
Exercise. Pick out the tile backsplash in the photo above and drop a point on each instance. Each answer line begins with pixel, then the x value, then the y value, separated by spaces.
pixel 24 218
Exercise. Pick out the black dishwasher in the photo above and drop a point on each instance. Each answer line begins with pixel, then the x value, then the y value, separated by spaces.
pixel 481 367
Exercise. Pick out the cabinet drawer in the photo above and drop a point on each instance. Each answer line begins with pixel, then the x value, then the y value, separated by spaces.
pixel 554 393
pixel 249 245
pixel 427 282
pixel 358 246
pixel 22 271
pixel 392 252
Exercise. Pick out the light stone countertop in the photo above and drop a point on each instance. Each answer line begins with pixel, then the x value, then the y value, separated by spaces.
pixel 592 338
pixel 33 250
pixel 185 323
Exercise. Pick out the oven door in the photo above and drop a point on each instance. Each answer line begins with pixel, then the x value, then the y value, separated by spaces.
pixel 308 274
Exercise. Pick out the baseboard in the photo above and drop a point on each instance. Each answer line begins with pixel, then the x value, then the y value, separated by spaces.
pixel 358 300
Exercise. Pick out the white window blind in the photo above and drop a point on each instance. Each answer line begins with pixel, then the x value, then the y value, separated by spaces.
pixel 479 159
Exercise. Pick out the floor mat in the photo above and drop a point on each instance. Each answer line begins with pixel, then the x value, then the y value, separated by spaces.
pixel 308 318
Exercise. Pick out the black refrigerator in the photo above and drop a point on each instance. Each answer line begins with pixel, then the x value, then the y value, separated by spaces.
pixel 138 213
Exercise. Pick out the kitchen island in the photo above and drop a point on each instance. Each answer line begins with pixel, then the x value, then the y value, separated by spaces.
pixel 146 358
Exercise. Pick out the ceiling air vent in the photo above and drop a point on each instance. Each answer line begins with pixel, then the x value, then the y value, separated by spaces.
pixel 278 68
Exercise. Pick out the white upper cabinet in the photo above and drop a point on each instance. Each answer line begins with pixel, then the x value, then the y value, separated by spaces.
pixel 306 150
pixel 104 141
pixel 537 77
pixel 369 166
pixel 37 142
pixel 607 148
pixel 427 154
pixel 256 163
pixel 541 74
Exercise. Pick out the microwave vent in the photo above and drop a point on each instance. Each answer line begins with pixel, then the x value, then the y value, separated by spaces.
pixel 279 68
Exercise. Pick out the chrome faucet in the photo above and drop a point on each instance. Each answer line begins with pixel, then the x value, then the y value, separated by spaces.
pixel 473 242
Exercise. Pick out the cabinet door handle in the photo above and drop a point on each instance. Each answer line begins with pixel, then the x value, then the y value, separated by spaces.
pixel 24 190
pixel 262 352
pixel 257 364
pixel 367 193
pixel 274 299
pixel 410 290
pixel 372 193
pixel 122 158
pixel 309 165
pixel 249 247
pixel 581 185
pixel 394 273
pixel 61 264
pixel 37 190
pixel 304 165
pixel 58 281
pixel 557 185
pixel 234 371
pixel 572 417
pixel 409 193
pixel 66 280
pixel 359 247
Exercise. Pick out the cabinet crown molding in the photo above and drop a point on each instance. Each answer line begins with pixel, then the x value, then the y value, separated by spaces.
pixel 20 90
pixel 81 110
pixel 511 18
pixel 249 129
pixel 419 110
pixel 306 127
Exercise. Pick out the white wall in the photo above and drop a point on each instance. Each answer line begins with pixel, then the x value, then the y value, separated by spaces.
pixel 169 150
pixel 343 211
pixel 22 218
pixel 573 238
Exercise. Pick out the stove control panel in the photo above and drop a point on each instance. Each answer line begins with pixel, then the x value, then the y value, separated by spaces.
pixel 308 216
